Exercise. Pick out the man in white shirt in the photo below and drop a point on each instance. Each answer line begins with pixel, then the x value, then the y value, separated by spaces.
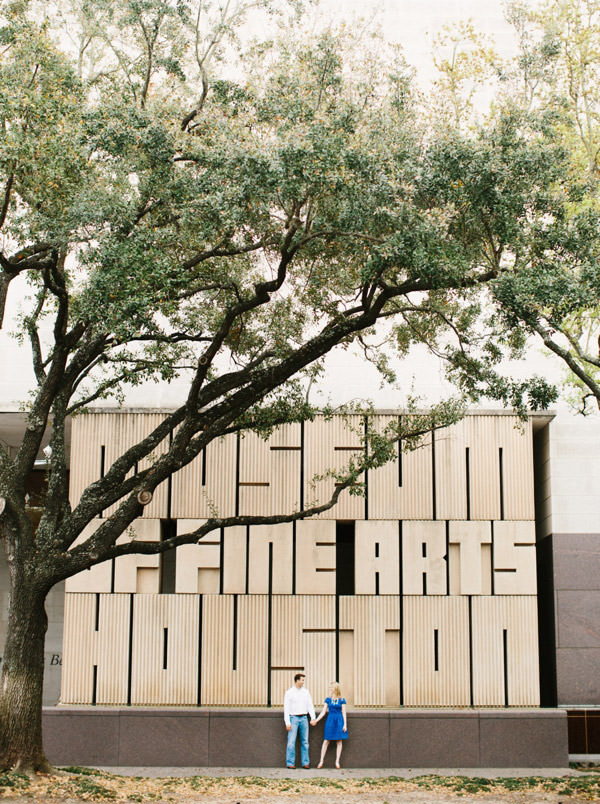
pixel 297 708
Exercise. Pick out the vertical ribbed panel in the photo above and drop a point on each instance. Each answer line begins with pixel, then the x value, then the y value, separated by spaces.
pixel 116 432
pixel 484 467
pixel 84 647
pixel 112 652
pixel 247 684
pixel 369 617
pixel 191 499
pixel 251 676
pixel 270 472
pixel 79 649
pixel 319 658
pixel 450 472
pixel 281 538
pixel 282 680
pixel 318 611
pixel 321 439
pixel 518 616
pixel 516 438
pixel 217 649
pixel 423 684
pixel 285 469
pixel 98 577
pixel 286 634
pixel 255 468
pixel 411 500
pixel 151 682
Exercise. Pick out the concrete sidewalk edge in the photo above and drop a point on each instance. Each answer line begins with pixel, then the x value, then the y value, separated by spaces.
pixel 343 773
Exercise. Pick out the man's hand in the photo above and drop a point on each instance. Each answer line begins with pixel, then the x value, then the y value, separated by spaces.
pixel 288 728
pixel 313 722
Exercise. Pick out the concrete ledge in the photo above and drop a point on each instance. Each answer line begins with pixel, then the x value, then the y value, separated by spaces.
pixel 423 738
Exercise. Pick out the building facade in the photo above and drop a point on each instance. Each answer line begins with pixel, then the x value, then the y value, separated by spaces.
pixel 421 596
pixel 421 592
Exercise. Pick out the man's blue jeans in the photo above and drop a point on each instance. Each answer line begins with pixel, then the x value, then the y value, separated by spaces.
pixel 299 725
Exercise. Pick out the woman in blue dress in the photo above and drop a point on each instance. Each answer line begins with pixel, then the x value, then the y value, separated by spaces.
pixel 336 726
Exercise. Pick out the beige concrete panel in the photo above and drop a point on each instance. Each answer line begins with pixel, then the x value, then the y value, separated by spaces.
pixel 121 431
pixel 112 654
pixel 414 498
pixel 281 537
pixel 484 467
pixel 454 569
pixel 255 475
pixel 431 621
pixel 126 572
pixel 282 680
pixel 486 569
pixel 197 566
pixel 346 678
pixel 331 445
pixel 217 650
pixel 433 563
pixel 234 561
pixel 162 676
pixel 450 472
pixel 270 472
pixel 95 579
pixel 79 649
pixel 516 439
pixel 286 633
pixel 515 571
pixel 250 679
pixel 376 549
pixel 518 617
pixel 471 536
pixel 247 683
pixel 318 612
pixel 369 618
pixel 84 648
pixel 285 469
pixel 315 557
pixel 87 435
pixel 126 567
pixel 191 499
pixel 318 648
pixel 147 580
pixel 392 668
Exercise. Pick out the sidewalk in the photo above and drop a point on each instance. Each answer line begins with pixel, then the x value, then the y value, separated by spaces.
pixel 344 773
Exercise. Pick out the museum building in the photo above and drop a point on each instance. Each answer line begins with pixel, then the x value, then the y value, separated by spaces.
pixel 433 597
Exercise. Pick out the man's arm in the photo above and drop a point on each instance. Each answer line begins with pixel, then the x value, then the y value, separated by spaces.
pixel 286 710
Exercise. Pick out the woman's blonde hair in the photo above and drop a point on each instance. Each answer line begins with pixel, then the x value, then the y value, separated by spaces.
pixel 336 691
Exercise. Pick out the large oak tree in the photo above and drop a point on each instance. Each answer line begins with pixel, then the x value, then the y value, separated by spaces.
pixel 172 221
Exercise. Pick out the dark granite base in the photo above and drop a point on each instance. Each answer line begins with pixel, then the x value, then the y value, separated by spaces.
pixel 425 738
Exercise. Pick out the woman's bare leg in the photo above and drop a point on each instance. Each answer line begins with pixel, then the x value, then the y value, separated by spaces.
pixel 338 753
pixel 323 750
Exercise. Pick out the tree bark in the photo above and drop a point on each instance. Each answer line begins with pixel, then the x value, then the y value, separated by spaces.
pixel 21 745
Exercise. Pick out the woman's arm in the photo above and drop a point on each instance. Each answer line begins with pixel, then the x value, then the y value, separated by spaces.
pixel 345 721
pixel 323 713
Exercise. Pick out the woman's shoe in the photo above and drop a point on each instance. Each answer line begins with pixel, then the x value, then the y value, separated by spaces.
pixel 337 765
pixel 320 765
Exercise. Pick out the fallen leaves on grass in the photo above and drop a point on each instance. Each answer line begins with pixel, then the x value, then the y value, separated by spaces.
pixel 86 784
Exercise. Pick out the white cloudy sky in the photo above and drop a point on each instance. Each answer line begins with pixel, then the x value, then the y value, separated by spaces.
pixel 413 24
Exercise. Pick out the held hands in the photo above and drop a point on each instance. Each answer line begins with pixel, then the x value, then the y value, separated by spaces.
pixel 313 722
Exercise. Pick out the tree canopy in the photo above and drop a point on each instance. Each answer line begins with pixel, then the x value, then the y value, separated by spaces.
pixel 174 215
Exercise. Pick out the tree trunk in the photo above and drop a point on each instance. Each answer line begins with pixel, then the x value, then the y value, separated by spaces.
pixel 22 677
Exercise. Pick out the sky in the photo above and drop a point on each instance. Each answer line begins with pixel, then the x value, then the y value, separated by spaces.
pixel 413 24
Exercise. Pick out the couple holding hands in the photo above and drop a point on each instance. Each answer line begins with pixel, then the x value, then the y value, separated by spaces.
pixel 298 707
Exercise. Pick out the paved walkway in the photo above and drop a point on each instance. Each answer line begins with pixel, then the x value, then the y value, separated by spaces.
pixel 345 773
